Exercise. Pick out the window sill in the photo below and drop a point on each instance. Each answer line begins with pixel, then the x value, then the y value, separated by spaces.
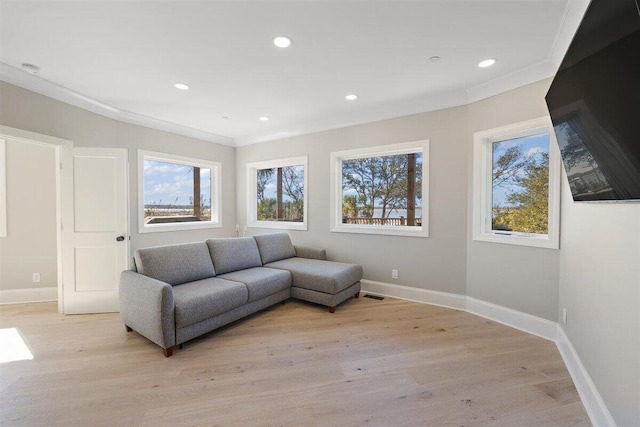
pixel 535 241
pixel 279 225
pixel 177 226
pixel 382 230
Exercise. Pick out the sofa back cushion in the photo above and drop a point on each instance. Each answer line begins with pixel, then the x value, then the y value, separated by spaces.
pixel 175 264
pixel 274 247
pixel 234 254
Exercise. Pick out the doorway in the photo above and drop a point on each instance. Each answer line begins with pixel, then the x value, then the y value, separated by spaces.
pixel 91 245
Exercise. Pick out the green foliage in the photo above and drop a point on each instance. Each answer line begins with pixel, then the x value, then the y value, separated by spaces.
pixel 350 206
pixel 379 182
pixel 292 194
pixel 263 178
pixel 292 211
pixel 528 208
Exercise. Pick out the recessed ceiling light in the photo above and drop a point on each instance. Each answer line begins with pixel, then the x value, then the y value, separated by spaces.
pixel 282 41
pixel 264 118
pixel 434 58
pixel 30 68
pixel 182 86
pixel 351 97
pixel 486 63
pixel 225 117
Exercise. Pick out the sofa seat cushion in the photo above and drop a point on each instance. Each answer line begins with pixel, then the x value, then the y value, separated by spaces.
pixel 202 299
pixel 232 254
pixel 175 264
pixel 261 282
pixel 274 247
pixel 323 276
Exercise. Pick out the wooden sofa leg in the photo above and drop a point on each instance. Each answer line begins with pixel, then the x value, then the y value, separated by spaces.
pixel 127 328
pixel 332 309
pixel 168 352
pixel 357 295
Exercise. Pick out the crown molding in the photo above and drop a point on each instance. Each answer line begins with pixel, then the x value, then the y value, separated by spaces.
pixel 573 13
pixel 44 87
pixel 534 73
pixel 571 18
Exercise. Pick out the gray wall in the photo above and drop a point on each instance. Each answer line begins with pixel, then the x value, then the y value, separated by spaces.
pixel 30 245
pixel 595 274
pixel 519 277
pixel 435 263
pixel 27 110
pixel 600 288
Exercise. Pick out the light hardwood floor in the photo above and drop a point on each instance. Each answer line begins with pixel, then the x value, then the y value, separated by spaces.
pixel 375 363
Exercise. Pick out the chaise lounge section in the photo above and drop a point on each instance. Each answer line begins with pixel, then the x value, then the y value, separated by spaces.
pixel 178 292
pixel 314 279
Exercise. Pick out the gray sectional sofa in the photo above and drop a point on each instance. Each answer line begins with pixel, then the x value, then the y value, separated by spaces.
pixel 178 292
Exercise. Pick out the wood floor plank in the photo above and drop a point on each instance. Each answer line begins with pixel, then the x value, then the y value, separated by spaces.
pixel 378 363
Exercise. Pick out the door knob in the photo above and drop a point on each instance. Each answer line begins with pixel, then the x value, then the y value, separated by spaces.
pixel 120 238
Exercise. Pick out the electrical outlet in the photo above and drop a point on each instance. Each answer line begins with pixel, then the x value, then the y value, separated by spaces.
pixel 394 273
pixel 36 277
pixel 564 316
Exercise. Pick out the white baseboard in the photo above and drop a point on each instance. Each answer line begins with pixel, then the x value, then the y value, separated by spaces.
pixel 442 299
pixel 516 319
pixel 591 399
pixel 20 296
pixel 525 322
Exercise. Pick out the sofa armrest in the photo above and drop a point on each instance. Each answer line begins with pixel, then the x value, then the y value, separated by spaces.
pixel 311 253
pixel 146 306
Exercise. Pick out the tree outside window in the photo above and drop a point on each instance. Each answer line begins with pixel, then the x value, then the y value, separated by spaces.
pixel 177 193
pixel 520 184
pixel 277 193
pixel 381 190
pixel 516 185
pixel 280 194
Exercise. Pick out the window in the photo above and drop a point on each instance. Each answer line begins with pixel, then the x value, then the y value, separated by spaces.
pixel 381 190
pixel 516 185
pixel 277 194
pixel 177 193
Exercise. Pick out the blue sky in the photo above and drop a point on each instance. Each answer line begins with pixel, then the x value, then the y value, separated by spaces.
pixel 531 146
pixel 171 183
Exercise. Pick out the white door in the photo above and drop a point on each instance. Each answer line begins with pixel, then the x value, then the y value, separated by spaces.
pixel 95 239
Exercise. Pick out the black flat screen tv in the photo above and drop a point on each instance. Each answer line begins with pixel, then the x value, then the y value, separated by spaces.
pixel 594 103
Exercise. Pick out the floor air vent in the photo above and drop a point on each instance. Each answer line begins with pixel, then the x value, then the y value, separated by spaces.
pixel 374 297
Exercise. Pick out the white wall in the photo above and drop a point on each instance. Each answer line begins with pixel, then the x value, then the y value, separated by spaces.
pixel 435 263
pixel 600 288
pixel 30 245
pixel 27 110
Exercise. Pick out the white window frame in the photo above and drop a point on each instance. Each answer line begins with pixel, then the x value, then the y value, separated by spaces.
pixel 383 150
pixel 252 193
pixel 216 207
pixel 3 188
pixel 483 177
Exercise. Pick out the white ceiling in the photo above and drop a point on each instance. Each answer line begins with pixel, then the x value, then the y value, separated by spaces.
pixel 121 59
